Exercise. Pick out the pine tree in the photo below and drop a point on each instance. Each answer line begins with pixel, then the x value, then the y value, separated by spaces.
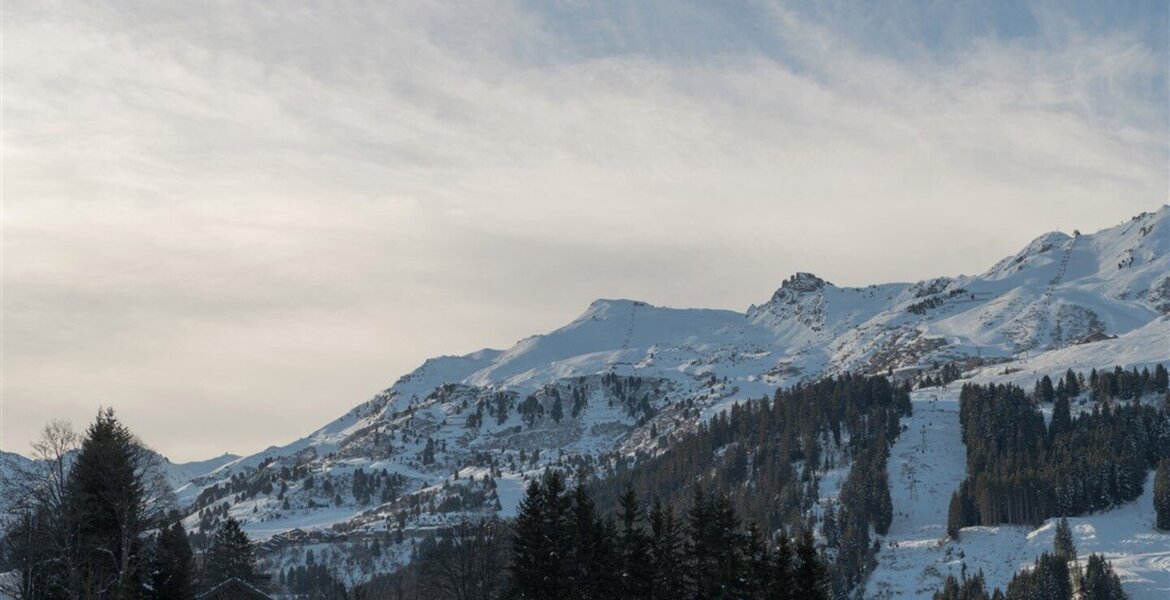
pixel 1072 384
pixel 1161 379
pixel 230 555
pixel 1100 582
pixel 173 574
pixel 701 578
pixel 1162 494
pixel 543 556
pixel 727 548
pixel 594 569
pixel 829 527
pixel 1044 390
pixel 758 575
pixel 1048 579
pixel 955 520
pixel 666 553
pixel 530 545
pixel 558 411
pixel 783 571
pixel 107 503
pixel 636 574
pixel 1062 543
pixel 1061 420
pixel 883 515
pixel 969 588
pixel 428 454
pixel 810 578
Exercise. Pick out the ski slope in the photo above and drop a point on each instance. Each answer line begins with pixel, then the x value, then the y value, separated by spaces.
pixel 926 465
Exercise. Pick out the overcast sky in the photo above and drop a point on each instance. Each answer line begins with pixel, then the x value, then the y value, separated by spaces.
pixel 233 221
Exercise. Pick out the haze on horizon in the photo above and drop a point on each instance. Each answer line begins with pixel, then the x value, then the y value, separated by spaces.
pixel 233 222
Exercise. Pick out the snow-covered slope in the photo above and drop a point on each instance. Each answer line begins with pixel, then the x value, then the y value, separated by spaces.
pixel 458 434
pixel 926 465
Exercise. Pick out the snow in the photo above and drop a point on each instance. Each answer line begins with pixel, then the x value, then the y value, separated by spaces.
pixel 511 492
pixel 1023 315
pixel 928 461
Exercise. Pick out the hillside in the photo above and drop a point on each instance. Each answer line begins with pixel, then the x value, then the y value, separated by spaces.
pixel 458 435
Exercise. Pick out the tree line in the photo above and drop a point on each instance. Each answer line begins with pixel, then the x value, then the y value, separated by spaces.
pixel 1021 470
pixel 562 546
pixel 767 458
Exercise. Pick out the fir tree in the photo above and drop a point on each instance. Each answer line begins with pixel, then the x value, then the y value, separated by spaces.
pixel 1061 419
pixel 809 579
pixel 702 582
pixel 107 504
pixel 1048 579
pixel 1071 384
pixel 1160 380
pixel 965 589
pixel 172 576
pixel 1044 390
pixel 230 555
pixel 783 572
pixel 636 574
pixel 666 553
pixel 758 575
pixel 1162 494
pixel 1100 582
pixel 1062 543
pixel 829 527
pixel 530 545
pixel 542 542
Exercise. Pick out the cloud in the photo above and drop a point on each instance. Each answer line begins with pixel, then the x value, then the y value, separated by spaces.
pixel 234 221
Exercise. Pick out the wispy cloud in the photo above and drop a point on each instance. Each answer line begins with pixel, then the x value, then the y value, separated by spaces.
pixel 233 221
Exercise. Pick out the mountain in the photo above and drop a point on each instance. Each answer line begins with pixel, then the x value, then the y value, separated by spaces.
pixel 179 475
pixel 458 435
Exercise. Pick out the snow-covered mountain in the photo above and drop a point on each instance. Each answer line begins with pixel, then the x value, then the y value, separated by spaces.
pixel 457 435
pixel 624 376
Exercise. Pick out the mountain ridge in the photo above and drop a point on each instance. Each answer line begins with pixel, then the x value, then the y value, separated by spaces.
pixel 459 434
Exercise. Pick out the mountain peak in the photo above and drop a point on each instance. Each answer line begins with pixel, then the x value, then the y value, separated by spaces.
pixel 801 282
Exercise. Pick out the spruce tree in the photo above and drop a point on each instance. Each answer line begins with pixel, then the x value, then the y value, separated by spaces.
pixel 829 527
pixel 530 545
pixel 727 548
pixel 636 576
pixel 666 553
pixel 701 578
pixel 108 509
pixel 758 575
pixel 1100 582
pixel 783 571
pixel 173 576
pixel 955 520
pixel 1072 384
pixel 1061 420
pixel 229 556
pixel 1044 390
pixel 810 578
pixel 1162 494
pixel 1161 379
pixel 1062 543
pixel 543 557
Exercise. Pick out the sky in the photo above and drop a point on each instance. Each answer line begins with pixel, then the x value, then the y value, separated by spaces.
pixel 233 221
